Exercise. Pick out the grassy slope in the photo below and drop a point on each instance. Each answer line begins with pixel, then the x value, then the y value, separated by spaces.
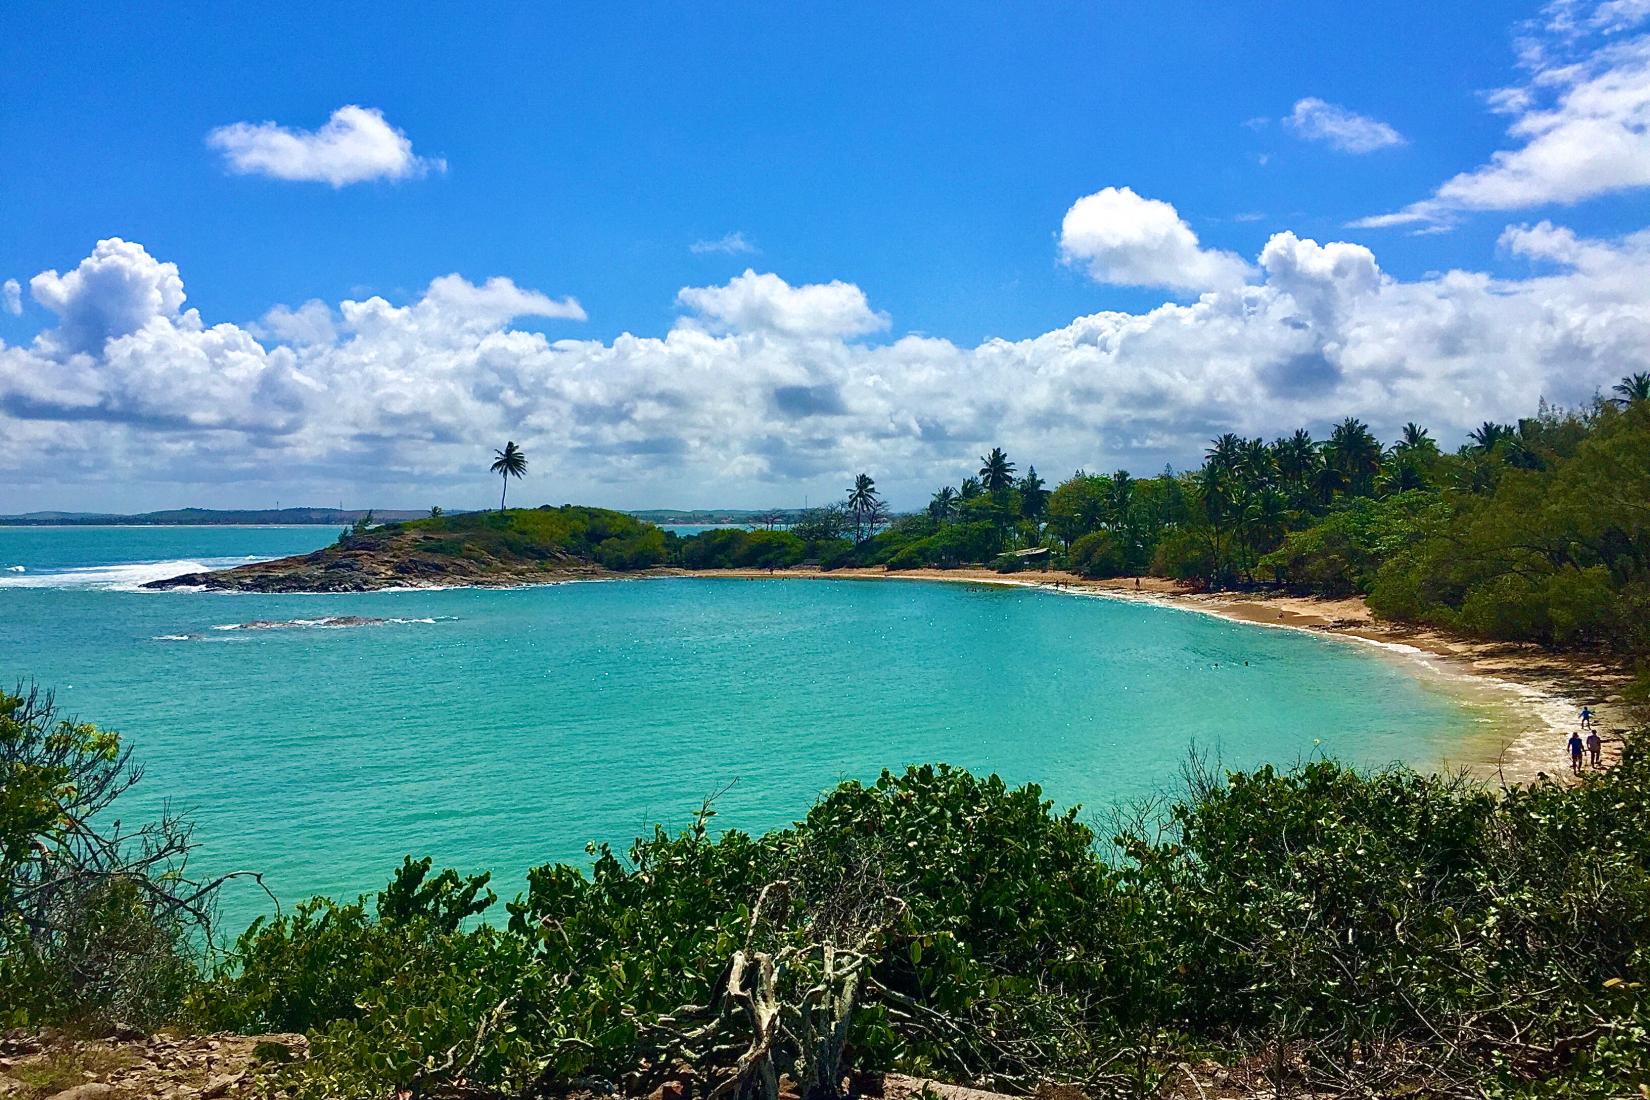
pixel 522 537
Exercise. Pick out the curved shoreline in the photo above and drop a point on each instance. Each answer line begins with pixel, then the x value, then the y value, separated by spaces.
pixel 1522 680
pixel 1548 688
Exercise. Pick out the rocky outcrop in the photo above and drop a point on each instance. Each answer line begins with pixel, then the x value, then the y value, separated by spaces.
pixel 396 558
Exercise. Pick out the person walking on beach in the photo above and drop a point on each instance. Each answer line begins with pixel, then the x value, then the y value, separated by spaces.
pixel 1595 748
pixel 1586 718
pixel 1575 754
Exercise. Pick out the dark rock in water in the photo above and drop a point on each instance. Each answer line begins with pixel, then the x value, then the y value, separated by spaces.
pixel 329 621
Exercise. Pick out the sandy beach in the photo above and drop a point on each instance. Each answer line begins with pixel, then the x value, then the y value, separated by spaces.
pixel 1540 691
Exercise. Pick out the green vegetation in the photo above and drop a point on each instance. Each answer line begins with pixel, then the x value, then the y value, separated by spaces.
pixel 1538 531
pixel 528 536
pixel 1373 933
pixel 100 923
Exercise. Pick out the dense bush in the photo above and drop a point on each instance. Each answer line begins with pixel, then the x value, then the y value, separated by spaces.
pixel 1369 932
pixel 1557 552
pixel 99 924
pixel 1097 554
pixel 735 548
pixel 1339 555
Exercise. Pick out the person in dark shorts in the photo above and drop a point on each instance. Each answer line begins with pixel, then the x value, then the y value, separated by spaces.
pixel 1595 749
pixel 1575 754
pixel 1586 718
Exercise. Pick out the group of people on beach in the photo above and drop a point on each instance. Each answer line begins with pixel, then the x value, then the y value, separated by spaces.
pixel 1592 744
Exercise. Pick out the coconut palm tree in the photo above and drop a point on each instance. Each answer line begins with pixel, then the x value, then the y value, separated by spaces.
pixel 996 471
pixel 969 489
pixel 508 463
pixel 1257 463
pixel 1488 435
pixel 1122 494
pixel 862 502
pixel 944 504
pixel 1224 453
pixel 1416 438
pixel 1353 448
pixel 1297 458
pixel 1632 388
pixel 1328 480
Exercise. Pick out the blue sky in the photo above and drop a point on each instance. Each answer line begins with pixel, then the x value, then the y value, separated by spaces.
pixel 923 155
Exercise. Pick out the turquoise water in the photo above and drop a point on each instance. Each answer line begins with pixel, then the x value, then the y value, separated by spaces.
pixel 501 729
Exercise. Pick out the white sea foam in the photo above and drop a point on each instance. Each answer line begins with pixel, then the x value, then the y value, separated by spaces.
pixel 329 622
pixel 124 576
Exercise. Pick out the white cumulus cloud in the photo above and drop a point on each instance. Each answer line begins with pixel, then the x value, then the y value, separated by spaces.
pixel 1122 238
pixel 356 144
pixel 1580 128
pixel 11 297
pixel 1340 128
pixel 731 244
pixel 311 323
pixel 765 389
pixel 753 303
pixel 113 292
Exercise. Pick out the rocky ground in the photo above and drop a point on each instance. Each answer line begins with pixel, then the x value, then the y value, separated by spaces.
pixel 48 1066
pixel 402 559
pixel 45 1066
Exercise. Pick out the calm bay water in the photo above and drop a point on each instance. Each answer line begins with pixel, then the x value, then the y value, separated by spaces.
pixel 501 729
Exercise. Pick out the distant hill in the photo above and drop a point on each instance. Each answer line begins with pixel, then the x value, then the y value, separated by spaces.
pixel 211 516
pixel 329 517
pixel 708 517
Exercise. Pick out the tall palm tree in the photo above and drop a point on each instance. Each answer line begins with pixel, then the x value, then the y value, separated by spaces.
pixel 996 471
pixel 1488 435
pixel 862 502
pixel 1328 480
pixel 1632 388
pixel 944 504
pixel 1122 494
pixel 1416 438
pixel 1257 462
pixel 969 489
pixel 508 463
pixel 1403 473
pixel 1353 448
pixel 1224 453
pixel 1297 457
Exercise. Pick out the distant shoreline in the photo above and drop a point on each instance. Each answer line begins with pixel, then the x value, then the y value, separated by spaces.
pixel 1546 688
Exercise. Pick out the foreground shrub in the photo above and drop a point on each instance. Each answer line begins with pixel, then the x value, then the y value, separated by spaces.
pixel 1368 932
pixel 99 925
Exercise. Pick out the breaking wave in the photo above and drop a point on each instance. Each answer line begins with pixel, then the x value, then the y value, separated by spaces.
pixel 126 576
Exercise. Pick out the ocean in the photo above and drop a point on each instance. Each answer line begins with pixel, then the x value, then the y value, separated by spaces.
pixel 319 739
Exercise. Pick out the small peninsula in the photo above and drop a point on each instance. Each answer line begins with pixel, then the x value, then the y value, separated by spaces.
pixel 512 547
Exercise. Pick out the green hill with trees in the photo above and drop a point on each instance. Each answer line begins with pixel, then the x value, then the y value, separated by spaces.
pixel 514 546
pixel 1537 531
